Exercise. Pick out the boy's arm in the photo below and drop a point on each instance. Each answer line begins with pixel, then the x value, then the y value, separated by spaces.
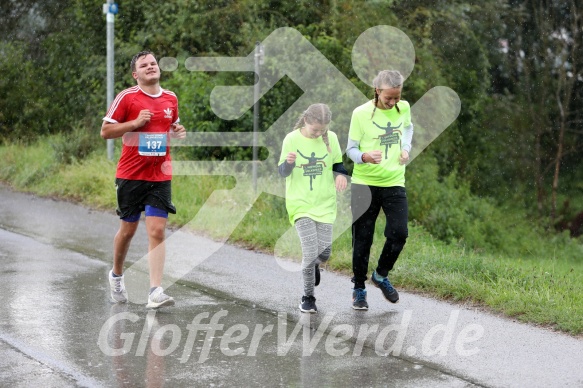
pixel 111 130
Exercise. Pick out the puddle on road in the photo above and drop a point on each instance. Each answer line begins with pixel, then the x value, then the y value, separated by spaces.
pixel 59 308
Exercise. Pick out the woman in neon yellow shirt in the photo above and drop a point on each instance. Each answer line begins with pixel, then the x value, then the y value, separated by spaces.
pixel 379 142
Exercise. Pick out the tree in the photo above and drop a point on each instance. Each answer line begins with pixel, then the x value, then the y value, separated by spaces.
pixel 544 63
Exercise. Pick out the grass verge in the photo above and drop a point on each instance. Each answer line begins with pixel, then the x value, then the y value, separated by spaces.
pixel 543 288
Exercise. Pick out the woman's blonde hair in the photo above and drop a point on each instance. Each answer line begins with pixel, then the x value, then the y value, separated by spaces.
pixel 390 78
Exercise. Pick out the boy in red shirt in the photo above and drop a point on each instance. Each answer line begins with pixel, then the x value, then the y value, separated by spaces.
pixel 146 116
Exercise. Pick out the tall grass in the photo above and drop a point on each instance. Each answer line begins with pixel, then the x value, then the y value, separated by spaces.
pixel 516 271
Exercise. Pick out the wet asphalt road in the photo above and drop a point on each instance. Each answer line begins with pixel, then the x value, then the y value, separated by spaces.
pixel 62 330
pixel 236 322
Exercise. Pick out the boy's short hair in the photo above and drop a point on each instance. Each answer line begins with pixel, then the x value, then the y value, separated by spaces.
pixel 138 56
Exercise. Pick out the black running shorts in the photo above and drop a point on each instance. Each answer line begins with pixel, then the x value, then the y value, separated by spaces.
pixel 134 195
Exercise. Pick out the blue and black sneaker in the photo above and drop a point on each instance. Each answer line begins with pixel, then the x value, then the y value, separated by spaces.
pixel 386 287
pixel 359 299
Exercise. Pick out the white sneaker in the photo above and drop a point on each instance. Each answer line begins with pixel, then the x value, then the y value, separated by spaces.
pixel 118 288
pixel 158 298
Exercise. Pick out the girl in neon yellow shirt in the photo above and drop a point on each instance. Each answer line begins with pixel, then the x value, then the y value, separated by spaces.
pixel 311 162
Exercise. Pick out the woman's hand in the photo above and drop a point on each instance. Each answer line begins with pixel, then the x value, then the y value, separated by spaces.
pixel 404 158
pixel 374 157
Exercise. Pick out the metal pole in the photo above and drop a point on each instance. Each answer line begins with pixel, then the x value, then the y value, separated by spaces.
pixel 110 70
pixel 256 113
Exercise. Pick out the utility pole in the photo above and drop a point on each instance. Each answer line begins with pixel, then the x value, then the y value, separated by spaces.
pixel 256 90
pixel 110 10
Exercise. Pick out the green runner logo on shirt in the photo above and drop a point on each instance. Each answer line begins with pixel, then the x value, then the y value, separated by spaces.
pixel 391 136
pixel 314 167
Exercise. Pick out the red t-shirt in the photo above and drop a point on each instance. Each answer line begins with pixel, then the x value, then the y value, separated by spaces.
pixel 133 163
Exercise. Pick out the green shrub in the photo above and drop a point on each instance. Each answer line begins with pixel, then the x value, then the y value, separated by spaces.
pixel 75 145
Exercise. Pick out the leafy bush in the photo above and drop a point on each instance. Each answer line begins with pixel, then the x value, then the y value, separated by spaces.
pixel 75 145
pixel 449 211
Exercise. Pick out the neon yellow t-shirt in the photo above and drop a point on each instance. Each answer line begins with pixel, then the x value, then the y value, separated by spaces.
pixel 382 132
pixel 310 190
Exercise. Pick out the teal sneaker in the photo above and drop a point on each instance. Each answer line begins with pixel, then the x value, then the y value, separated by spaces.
pixel 359 299
pixel 386 287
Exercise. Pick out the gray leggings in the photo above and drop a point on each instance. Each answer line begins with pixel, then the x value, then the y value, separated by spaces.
pixel 316 241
